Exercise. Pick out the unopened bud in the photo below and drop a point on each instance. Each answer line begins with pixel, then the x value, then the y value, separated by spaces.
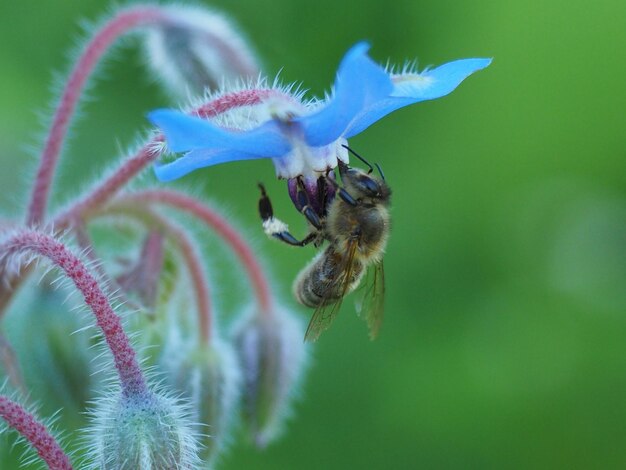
pixel 143 432
pixel 56 357
pixel 198 49
pixel 208 377
pixel 142 278
pixel 273 357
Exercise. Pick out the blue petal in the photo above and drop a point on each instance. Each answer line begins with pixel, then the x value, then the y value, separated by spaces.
pixel 428 85
pixel 443 80
pixel 196 159
pixel 359 83
pixel 188 133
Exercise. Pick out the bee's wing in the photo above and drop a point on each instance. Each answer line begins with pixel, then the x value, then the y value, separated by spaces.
pixel 321 320
pixel 326 312
pixel 371 307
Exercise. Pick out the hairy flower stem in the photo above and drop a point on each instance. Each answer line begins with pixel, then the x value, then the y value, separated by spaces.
pixel 130 168
pixel 150 151
pixel 124 21
pixel 211 218
pixel 108 188
pixel 35 433
pixel 31 241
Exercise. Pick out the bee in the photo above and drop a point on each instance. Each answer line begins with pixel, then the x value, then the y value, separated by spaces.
pixel 353 218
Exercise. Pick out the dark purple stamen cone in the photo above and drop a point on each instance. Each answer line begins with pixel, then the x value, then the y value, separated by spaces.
pixel 317 193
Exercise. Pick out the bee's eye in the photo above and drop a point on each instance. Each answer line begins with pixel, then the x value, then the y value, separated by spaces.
pixel 369 186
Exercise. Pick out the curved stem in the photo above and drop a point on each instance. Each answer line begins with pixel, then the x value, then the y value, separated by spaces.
pixel 214 220
pixel 235 99
pixel 150 151
pixel 35 433
pixel 131 167
pixel 121 23
pixel 31 241
pixel 104 191
pixel 198 277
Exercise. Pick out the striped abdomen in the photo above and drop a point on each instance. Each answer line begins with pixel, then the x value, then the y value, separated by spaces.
pixel 323 281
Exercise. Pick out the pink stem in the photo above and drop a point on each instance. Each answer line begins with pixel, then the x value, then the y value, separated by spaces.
pixel 79 230
pixel 109 187
pixel 124 21
pixel 131 377
pixel 201 287
pixel 198 276
pixel 235 100
pixel 36 433
pixel 222 227
pixel 105 191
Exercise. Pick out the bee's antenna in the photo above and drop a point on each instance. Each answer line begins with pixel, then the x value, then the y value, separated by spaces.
pixel 359 157
pixel 382 175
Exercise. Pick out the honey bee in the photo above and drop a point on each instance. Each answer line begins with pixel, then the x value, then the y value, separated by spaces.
pixel 354 219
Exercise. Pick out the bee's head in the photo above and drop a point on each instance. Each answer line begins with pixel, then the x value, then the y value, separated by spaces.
pixel 362 184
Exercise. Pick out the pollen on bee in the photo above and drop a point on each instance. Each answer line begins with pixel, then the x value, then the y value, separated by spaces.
pixel 273 225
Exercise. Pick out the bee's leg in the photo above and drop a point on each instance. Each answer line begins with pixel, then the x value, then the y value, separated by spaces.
pixel 324 193
pixel 276 228
pixel 265 205
pixel 343 193
pixel 307 210
pixel 289 239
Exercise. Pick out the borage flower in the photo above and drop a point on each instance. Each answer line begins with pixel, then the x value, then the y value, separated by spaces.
pixel 305 140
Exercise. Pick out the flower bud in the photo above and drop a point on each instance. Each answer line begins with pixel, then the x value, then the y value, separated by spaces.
pixel 142 278
pixel 198 49
pixel 208 376
pixel 55 355
pixel 142 432
pixel 273 357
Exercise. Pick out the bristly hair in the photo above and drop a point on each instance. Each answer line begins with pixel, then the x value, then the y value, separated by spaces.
pixel 29 455
pixel 100 423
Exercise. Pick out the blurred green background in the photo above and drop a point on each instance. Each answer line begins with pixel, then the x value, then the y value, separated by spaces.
pixel 504 339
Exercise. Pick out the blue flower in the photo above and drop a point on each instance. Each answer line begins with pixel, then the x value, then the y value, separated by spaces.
pixel 305 141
